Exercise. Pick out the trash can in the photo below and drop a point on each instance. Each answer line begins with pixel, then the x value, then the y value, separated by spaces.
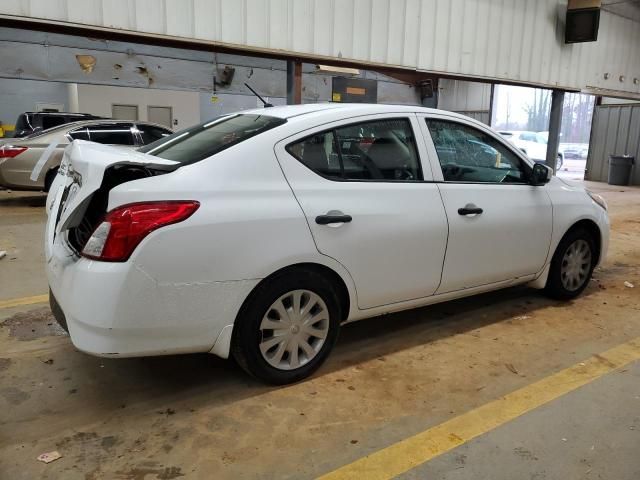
pixel 620 169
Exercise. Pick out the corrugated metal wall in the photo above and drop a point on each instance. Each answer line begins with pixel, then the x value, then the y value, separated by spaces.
pixel 615 131
pixel 472 99
pixel 51 56
pixel 516 40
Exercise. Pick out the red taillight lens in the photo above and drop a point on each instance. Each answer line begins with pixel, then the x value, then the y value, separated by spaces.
pixel 125 227
pixel 7 151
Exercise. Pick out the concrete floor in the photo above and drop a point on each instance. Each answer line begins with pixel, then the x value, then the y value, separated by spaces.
pixel 591 433
pixel 573 169
pixel 197 416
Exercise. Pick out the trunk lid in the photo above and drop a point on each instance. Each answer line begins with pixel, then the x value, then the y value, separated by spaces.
pixel 83 170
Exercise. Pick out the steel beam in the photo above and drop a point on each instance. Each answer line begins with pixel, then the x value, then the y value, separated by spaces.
pixel 555 123
pixel 294 82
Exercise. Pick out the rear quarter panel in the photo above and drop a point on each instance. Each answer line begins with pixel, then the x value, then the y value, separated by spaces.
pixel 248 226
pixel 16 172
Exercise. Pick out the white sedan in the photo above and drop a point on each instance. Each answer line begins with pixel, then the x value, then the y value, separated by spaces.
pixel 533 144
pixel 259 234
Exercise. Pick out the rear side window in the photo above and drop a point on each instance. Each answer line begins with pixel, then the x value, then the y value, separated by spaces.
pixel 382 150
pixel 111 134
pixel 50 121
pixel 23 122
pixel 202 141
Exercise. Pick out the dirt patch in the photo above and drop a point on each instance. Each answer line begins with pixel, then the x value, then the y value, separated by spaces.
pixel 4 363
pixel 31 200
pixel 168 473
pixel 14 396
pixel 33 324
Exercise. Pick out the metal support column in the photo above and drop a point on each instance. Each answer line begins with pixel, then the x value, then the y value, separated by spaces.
pixel 492 100
pixel 72 98
pixel 555 123
pixel 294 82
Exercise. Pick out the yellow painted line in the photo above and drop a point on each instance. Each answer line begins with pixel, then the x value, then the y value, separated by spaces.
pixel 418 449
pixel 16 302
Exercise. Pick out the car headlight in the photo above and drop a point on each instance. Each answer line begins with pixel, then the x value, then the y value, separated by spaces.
pixel 598 199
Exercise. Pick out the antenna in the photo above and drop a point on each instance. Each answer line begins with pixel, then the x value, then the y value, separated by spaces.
pixel 265 103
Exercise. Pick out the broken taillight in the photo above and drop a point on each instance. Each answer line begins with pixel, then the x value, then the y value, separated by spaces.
pixel 123 228
pixel 8 151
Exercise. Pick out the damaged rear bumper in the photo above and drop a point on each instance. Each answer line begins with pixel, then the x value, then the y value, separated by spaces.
pixel 116 309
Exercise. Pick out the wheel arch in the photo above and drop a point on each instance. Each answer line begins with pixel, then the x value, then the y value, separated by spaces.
pixel 593 229
pixel 50 176
pixel 330 274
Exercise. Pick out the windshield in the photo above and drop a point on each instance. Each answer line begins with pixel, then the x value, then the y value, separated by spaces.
pixel 202 141
pixel 541 138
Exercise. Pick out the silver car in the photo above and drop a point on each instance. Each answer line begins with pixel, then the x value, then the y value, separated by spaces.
pixel 20 156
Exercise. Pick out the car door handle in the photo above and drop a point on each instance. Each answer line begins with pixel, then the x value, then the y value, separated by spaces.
pixel 469 210
pixel 327 219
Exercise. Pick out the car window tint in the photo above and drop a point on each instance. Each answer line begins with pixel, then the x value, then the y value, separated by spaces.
pixel 467 154
pixel 206 139
pixel 383 150
pixel 151 133
pixel 79 134
pixel 23 122
pixel 529 137
pixel 111 134
pixel 50 121
pixel 319 153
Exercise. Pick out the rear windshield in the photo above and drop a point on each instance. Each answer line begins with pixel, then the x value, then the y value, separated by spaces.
pixel 202 141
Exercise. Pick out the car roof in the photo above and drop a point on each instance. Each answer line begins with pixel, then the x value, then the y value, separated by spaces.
pixel 310 109
pixel 69 114
pixel 107 121
pixel 65 127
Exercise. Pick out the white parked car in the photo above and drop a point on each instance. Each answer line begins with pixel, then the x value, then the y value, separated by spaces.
pixel 259 234
pixel 533 144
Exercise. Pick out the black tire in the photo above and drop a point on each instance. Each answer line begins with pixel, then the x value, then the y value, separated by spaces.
pixel 49 178
pixel 559 162
pixel 247 335
pixel 555 287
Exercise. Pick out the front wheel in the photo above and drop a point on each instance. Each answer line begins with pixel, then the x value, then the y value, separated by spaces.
pixel 572 265
pixel 559 163
pixel 287 327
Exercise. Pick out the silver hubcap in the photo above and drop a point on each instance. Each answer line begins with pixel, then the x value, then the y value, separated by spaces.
pixel 294 329
pixel 575 265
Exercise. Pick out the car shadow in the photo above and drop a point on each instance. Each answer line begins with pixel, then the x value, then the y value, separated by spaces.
pixel 199 380
pixel 36 199
pixel 377 337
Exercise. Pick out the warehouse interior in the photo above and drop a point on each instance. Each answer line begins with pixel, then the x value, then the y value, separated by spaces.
pixel 502 385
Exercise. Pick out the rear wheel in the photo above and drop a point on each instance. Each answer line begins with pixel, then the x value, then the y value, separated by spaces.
pixel 287 327
pixel 572 265
pixel 559 162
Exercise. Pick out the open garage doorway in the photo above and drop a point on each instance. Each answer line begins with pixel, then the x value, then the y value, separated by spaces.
pixel 521 114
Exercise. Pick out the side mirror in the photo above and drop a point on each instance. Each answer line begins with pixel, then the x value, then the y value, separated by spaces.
pixel 541 174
